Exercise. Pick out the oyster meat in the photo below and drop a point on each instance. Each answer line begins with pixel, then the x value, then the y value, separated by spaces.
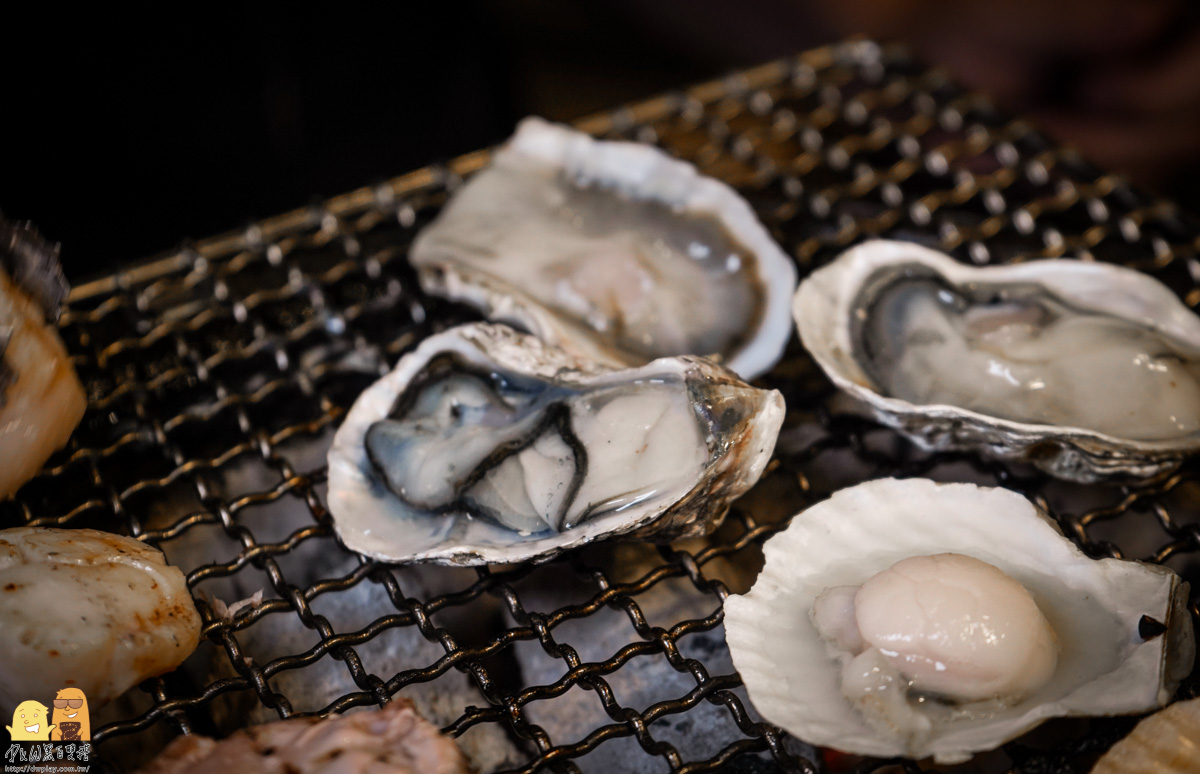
pixel 907 617
pixel 1088 370
pixel 486 445
pixel 613 251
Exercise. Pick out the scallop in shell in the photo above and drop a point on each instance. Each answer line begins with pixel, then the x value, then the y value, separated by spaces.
pixel 1090 371
pixel 486 445
pixel 906 617
pixel 613 251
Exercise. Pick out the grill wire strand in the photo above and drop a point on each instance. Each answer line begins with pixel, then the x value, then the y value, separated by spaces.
pixel 216 376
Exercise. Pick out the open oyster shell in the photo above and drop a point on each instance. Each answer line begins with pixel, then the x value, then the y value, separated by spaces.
pixel 1093 422
pixel 1095 607
pixel 486 445
pixel 613 251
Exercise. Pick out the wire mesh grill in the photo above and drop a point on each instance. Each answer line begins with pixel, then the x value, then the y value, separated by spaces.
pixel 217 375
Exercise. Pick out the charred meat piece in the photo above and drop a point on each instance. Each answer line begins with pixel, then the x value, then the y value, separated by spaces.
pixel 392 740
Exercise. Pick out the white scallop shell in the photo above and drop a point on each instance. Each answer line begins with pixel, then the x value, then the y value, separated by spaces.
pixel 634 171
pixel 827 300
pixel 373 521
pixel 1095 606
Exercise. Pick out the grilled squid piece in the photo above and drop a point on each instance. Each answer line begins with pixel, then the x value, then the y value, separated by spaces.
pixel 41 399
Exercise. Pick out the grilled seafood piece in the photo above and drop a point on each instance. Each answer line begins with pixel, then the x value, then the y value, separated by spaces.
pixel 41 399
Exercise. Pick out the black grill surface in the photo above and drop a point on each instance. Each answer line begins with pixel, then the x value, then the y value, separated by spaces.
pixel 216 377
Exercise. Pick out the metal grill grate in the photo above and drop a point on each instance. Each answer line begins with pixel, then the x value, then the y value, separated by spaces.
pixel 216 377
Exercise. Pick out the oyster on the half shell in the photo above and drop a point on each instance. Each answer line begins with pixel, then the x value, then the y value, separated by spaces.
pixel 613 251
pixel 1088 370
pixel 907 617
pixel 486 445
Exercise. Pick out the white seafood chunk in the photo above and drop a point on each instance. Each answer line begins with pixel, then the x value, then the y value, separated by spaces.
pixel 906 617
pixel 394 739
pixel 41 399
pixel 613 251
pixel 957 626
pixel 1089 371
pixel 486 445
pixel 88 610
pixel 947 626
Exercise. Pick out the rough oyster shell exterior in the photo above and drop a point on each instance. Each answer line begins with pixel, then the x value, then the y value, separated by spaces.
pixel 827 301
pixel 371 520
pixel 1095 607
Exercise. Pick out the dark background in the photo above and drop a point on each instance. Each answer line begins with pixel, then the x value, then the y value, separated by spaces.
pixel 123 139
pixel 126 135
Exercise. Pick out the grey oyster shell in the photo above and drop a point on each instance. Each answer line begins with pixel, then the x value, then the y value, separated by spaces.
pixel 613 251
pixel 485 445
pixel 833 308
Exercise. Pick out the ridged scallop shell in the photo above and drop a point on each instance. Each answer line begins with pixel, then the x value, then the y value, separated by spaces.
pixel 1167 742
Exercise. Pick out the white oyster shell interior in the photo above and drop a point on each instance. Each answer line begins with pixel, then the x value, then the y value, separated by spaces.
pixel 485 445
pixel 1100 360
pixel 1104 667
pixel 612 250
